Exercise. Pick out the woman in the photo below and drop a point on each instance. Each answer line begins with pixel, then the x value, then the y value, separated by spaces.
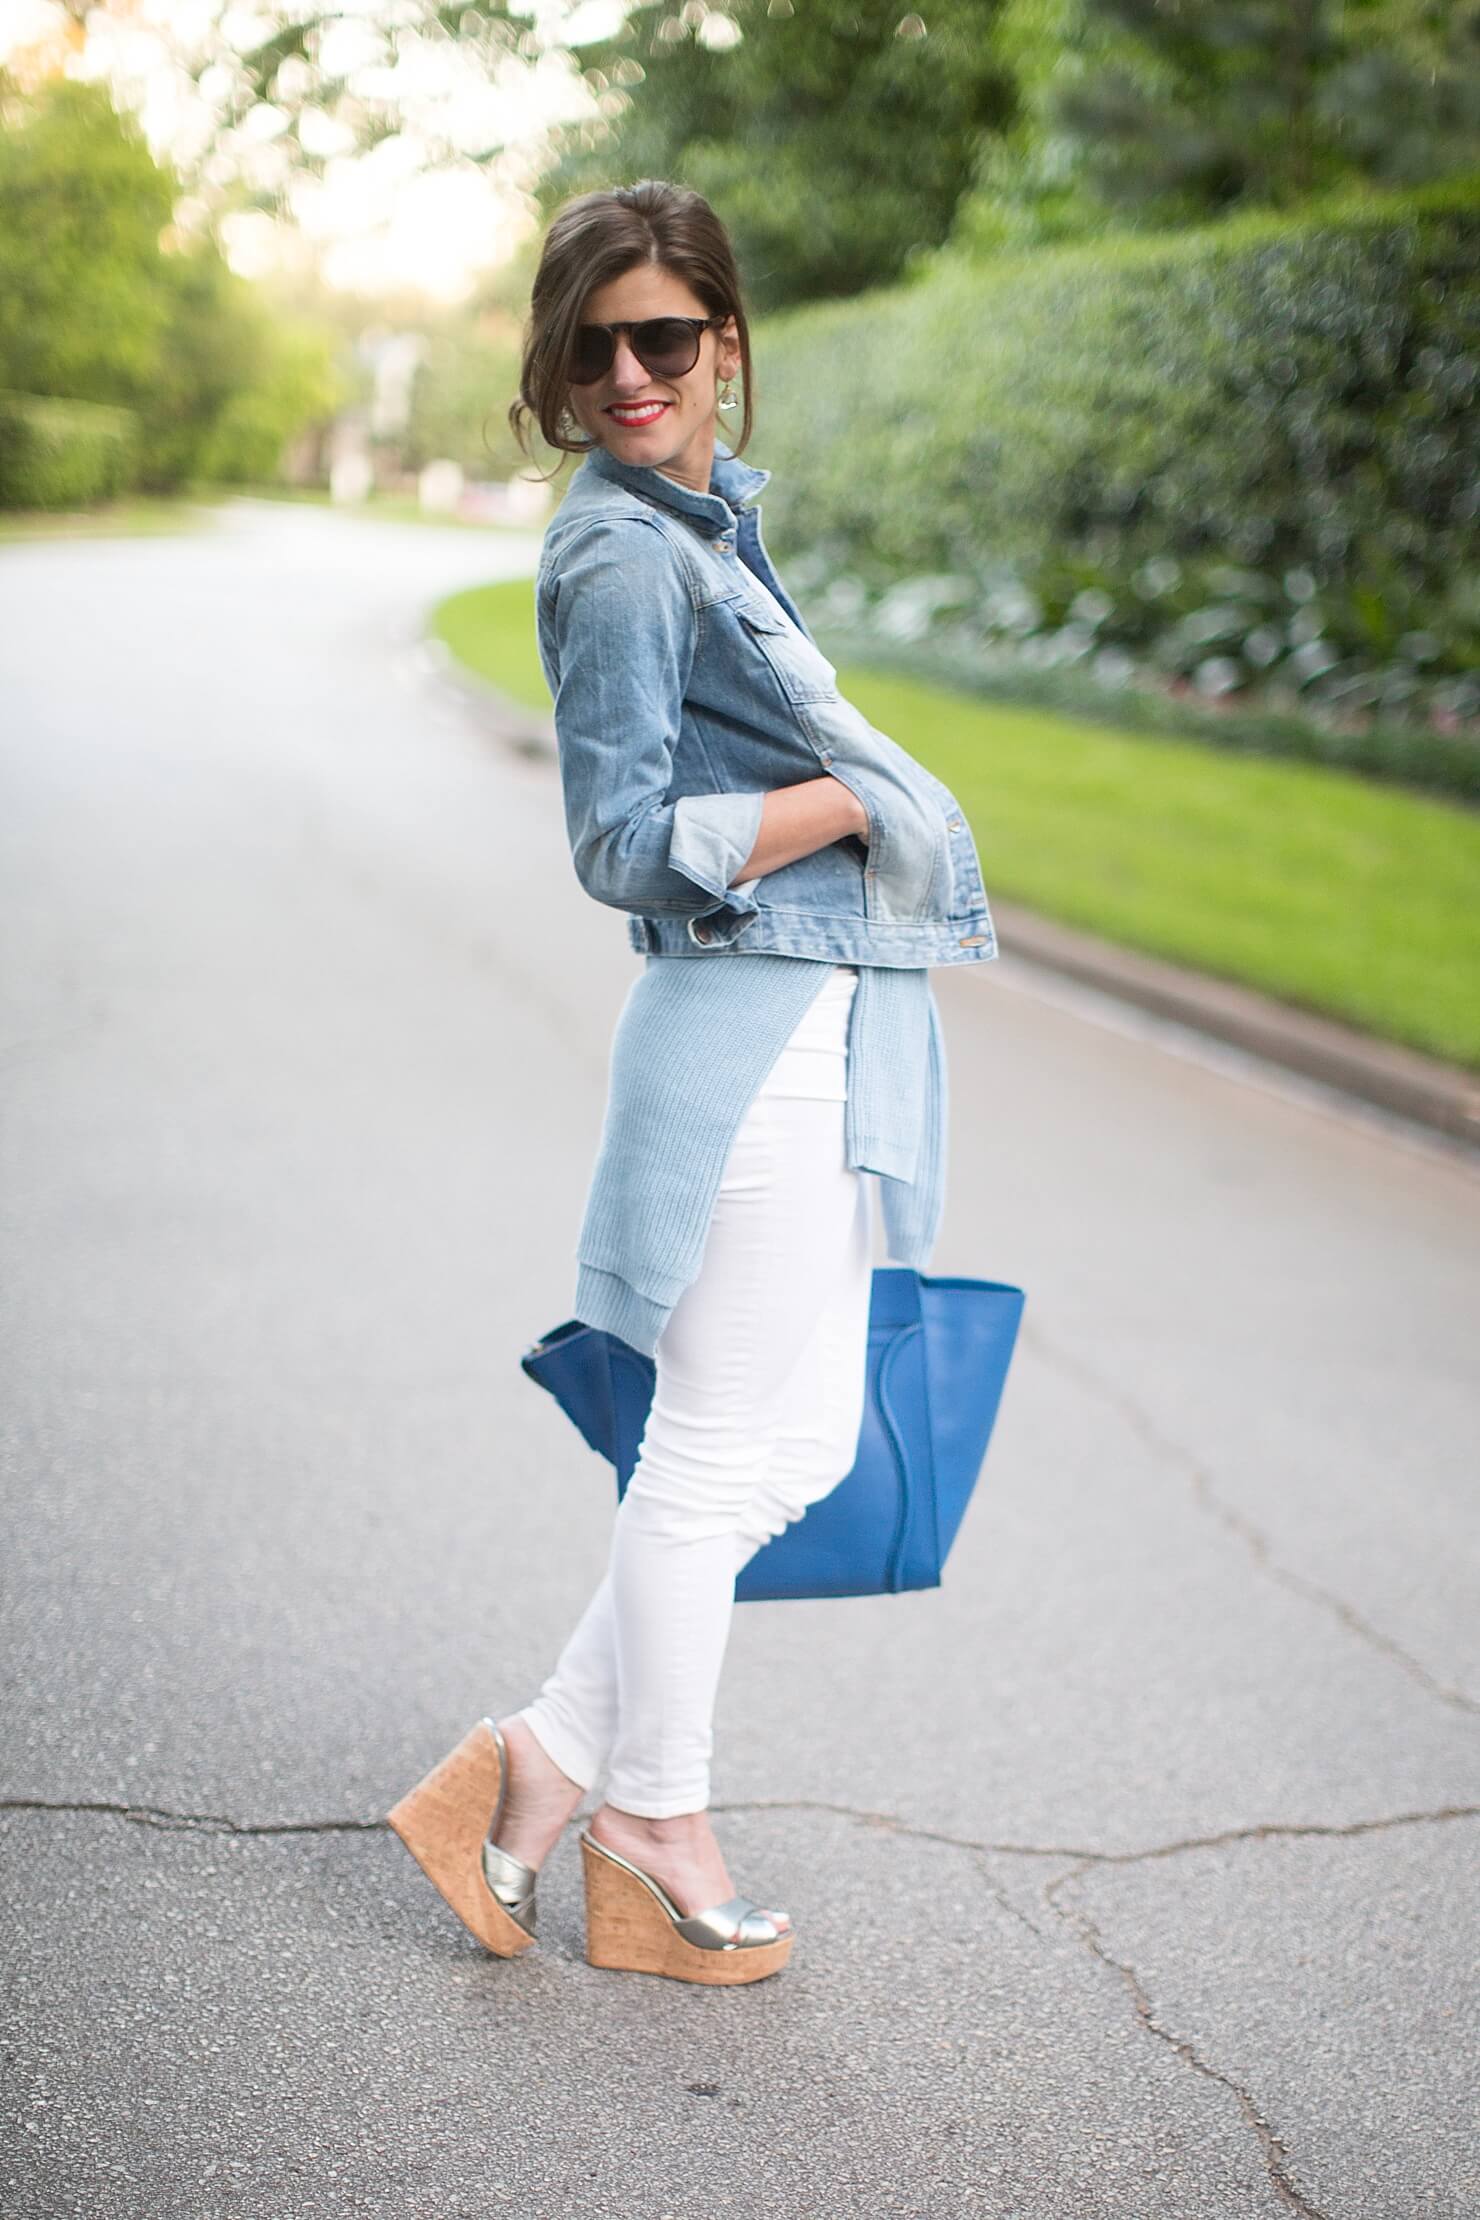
pixel 790 875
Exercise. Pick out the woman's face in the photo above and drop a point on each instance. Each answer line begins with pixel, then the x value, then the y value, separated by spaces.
pixel 678 436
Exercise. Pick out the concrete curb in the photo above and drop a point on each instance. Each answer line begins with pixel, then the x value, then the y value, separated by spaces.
pixel 1443 1097
pixel 527 731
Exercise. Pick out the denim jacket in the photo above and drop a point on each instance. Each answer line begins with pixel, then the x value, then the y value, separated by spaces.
pixel 683 694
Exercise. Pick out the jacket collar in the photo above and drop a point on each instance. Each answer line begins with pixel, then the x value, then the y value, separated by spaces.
pixel 733 482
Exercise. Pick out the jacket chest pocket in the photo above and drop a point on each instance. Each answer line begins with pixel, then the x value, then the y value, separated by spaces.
pixel 803 671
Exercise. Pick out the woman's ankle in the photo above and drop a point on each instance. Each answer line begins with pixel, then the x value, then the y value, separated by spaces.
pixel 525 1744
pixel 678 1851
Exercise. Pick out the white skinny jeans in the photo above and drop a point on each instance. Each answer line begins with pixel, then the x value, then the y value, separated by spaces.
pixel 761 1371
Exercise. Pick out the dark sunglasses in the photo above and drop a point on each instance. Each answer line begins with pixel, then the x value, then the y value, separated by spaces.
pixel 666 346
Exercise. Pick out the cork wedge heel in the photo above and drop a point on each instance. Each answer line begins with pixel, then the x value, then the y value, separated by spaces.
pixel 444 1823
pixel 634 1926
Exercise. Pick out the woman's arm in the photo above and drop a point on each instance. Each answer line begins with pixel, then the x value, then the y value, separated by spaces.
pixel 617 632
pixel 798 820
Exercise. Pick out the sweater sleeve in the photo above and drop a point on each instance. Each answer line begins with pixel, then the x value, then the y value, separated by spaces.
pixel 618 631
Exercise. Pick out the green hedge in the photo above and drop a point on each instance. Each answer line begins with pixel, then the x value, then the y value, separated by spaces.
pixel 1245 457
pixel 62 454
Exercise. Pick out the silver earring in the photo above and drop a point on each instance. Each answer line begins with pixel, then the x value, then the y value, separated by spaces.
pixel 729 399
pixel 568 426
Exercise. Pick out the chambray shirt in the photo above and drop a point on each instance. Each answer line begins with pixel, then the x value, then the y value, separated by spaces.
pixel 699 1031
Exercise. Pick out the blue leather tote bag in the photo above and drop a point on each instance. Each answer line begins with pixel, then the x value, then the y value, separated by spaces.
pixel 938 1352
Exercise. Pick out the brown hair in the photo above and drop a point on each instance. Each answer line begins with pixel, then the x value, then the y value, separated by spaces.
pixel 599 236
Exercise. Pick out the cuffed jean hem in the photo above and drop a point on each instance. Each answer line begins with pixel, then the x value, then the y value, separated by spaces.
pixel 643 1807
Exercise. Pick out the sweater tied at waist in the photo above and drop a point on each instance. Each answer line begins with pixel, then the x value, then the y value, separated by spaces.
pixel 693 1043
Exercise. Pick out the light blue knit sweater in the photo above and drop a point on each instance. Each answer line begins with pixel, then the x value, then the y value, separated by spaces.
pixel 694 1040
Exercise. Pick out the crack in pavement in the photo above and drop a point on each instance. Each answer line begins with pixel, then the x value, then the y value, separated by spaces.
pixel 1243 1528
pixel 1074 1919
pixel 1276 2156
pixel 1272 1830
pixel 1265 1830
pixel 198 1822
pixel 1000 1897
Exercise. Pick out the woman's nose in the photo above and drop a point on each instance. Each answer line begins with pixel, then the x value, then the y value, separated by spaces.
pixel 628 374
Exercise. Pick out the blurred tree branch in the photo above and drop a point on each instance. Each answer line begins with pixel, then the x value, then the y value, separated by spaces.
pixel 1218 103
pixel 837 137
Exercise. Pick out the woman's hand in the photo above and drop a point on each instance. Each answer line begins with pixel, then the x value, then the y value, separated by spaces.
pixel 798 820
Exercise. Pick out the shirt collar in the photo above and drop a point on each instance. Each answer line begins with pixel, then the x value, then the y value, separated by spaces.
pixel 732 480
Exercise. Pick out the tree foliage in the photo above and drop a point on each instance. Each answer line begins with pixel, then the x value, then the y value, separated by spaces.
pixel 83 310
pixel 101 302
pixel 836 138
pixel 1144 114
pixel 1248 451
pixel 1216 103
pixel 63 454
pixel 298 384
pixel 459 398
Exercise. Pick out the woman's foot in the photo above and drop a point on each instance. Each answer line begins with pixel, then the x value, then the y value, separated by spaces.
pixel 680 1854
pixel 539 1798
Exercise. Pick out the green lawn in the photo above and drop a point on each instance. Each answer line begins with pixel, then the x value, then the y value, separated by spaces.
pixel 491 630
pixel 381 508
pixel 138 514
pixel 1327 890
pixel 109 520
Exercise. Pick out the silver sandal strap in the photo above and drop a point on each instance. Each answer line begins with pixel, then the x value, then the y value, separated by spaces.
pixel 736 1925
pixel 512 1882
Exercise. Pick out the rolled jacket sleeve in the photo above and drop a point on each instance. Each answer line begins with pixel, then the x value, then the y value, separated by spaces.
pixel 618 631
pixel 712 836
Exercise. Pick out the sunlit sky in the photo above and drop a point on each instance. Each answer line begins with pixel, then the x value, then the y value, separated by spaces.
pixel 377 221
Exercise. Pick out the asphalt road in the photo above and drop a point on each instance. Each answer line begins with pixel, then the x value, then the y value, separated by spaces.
pixel 1134 1870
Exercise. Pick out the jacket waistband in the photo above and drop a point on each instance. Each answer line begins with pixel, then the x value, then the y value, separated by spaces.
pixel 839 940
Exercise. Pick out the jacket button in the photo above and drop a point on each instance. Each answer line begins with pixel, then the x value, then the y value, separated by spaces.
pixel 954 825
pixel 972 940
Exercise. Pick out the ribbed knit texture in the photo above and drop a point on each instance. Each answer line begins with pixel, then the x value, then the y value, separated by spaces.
pixel 693 1043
